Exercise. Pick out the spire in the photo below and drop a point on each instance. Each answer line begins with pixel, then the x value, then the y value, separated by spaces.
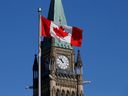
pixel 35 65
pixel 56 12
pixel 78 65
pixel 79 61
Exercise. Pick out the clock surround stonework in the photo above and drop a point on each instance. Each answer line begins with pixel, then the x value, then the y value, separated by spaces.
pixel 57 81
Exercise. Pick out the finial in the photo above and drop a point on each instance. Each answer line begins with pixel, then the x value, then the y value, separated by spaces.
pixel 39 9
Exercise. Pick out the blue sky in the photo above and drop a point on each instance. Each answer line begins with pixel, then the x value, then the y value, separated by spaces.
pixel 104 51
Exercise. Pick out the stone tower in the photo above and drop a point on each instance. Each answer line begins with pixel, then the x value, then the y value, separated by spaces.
pixel 61 74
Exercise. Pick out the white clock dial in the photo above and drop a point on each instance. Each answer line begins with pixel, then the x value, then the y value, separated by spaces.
pixel 62 62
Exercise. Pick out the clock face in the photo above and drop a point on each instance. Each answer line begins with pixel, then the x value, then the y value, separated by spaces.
pixel 62 62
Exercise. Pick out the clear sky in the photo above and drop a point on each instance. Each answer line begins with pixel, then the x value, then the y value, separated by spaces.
pixel 104 51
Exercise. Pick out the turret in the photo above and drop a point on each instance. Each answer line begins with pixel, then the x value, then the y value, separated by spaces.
pixel 78 68
pixel 35 77
pixel 35 68
pixel 78 64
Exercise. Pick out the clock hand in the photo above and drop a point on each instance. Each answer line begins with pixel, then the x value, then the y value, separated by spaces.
pixel 61 60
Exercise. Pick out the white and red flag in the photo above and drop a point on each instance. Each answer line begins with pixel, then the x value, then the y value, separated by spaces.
pixel 72 35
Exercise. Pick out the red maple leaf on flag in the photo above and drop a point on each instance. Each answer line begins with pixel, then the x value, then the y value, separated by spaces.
pixel 60 32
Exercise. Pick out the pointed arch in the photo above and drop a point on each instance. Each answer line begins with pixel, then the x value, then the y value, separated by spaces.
pixel 68 93
pixel 58 92
pixel 63 93
pixel 73 93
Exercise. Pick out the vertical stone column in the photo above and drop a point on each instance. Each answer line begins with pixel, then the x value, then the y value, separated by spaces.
pixel 79 85
pixel 52 88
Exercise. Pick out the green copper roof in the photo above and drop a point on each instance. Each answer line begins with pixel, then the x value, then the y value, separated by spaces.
pixel 56 14
pixel 59 16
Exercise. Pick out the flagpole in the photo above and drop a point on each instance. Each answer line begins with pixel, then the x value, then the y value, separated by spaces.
pixel 39 52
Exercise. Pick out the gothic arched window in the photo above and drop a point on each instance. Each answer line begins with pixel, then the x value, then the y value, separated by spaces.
pixel 58 93
pixel 73 93
pixel 67 94
pixel 63 93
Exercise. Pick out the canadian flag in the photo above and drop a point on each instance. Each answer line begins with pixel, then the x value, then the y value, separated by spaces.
pixel 72 35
